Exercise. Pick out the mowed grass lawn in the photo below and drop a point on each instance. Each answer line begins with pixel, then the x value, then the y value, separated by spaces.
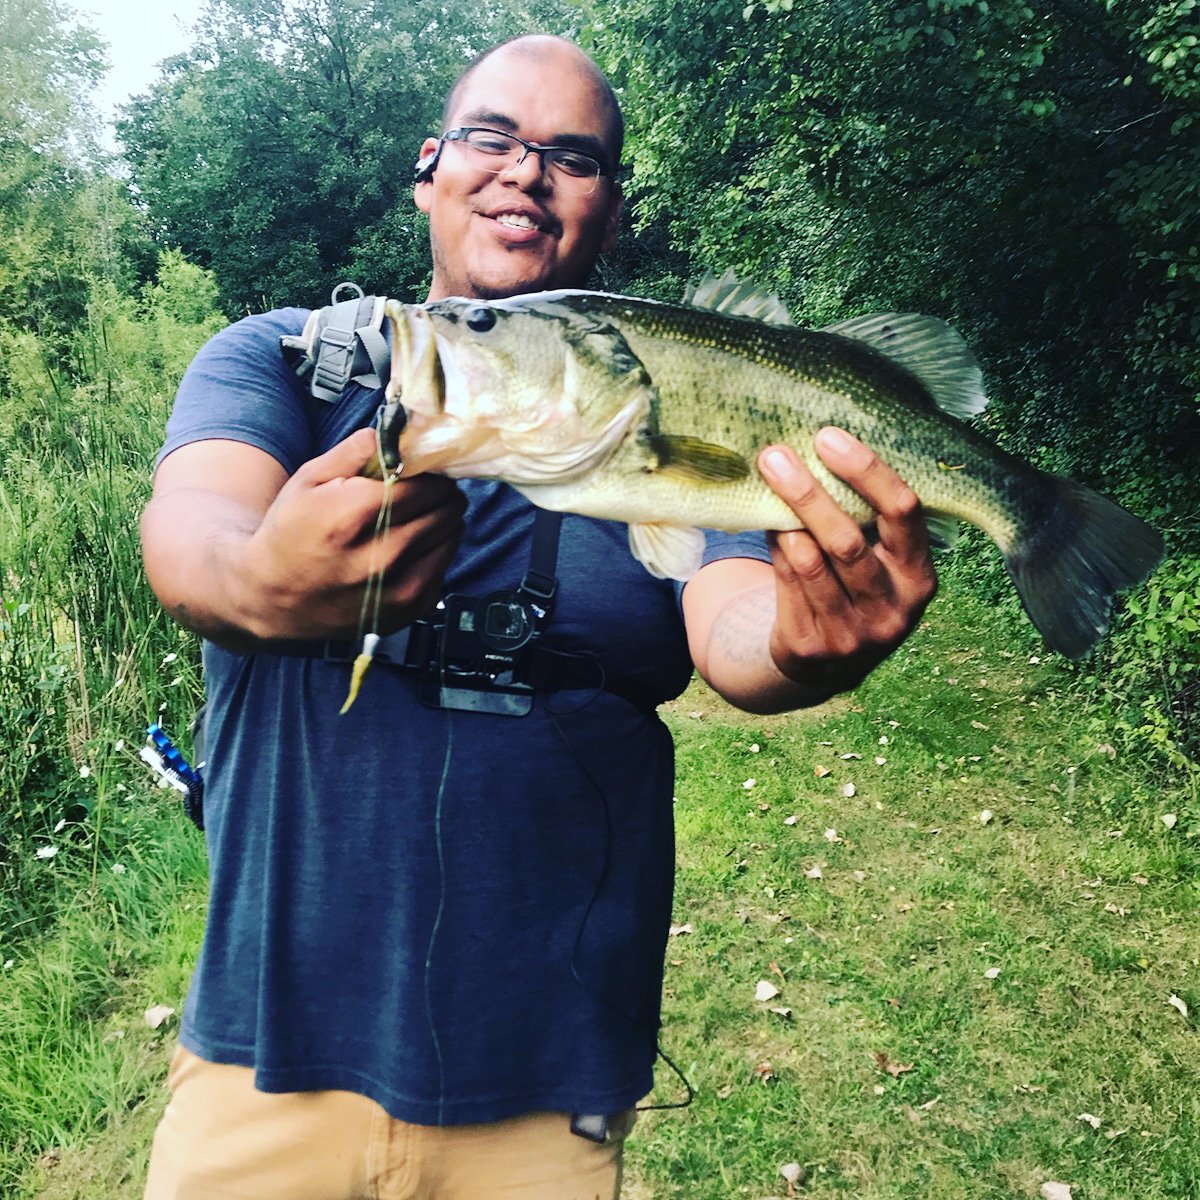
pixel 936 939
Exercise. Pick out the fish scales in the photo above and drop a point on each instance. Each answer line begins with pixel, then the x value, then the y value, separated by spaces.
pixel 788 383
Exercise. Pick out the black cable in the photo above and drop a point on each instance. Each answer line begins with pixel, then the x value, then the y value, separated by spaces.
pixel 652 1026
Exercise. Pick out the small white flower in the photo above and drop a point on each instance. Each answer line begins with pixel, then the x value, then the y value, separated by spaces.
pixel 170 658
pixel 119 745
pixel 84 771
pixel 61 825
pixel 119 868
pixel 47 851
pixel 8 964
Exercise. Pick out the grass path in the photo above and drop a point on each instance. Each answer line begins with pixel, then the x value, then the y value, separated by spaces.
pixel 968 901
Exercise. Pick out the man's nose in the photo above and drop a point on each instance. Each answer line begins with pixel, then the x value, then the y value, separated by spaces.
pixel 529 171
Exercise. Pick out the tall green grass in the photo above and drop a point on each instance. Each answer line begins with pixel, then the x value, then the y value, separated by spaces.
pixel 87 657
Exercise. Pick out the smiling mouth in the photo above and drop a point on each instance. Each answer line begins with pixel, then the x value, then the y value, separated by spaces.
pixel 517 221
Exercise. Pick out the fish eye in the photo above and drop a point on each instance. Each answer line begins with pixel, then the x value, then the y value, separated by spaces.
pixel 481 319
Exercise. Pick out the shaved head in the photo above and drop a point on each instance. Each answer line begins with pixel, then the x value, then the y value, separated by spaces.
pixel 541 48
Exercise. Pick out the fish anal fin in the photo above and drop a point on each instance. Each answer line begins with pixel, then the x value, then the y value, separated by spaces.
pixel 694 458
pixel 943 531
pixel 927 348
pixel 730 296
pixel 667 551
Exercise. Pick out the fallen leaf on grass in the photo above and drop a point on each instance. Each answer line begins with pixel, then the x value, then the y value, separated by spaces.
pixel 1056 1191
pixel 765 990
pixel 1176 1003
pixel 1169 820
pixel 50 1159
pixel 892 1068
pixel 158 1015
pixel 1140 880
pixel 783 1012
pixel 813 873
pixel 849 790
pixel 832 835
pixel 763 1070
pixel 986 816
pixel 794 1173
pixel 820 772
pixel 774 968
pixel 676 930
pixel 1093 1121
pixel 991 973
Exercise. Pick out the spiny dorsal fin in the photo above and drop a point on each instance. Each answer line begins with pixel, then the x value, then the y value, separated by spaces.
pixel 735 299
pixel 929 349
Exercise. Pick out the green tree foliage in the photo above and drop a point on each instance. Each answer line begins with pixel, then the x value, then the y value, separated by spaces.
pixel 46 62
pixel 278 151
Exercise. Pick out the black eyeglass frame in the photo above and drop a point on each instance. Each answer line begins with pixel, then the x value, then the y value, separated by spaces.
pixel 603 169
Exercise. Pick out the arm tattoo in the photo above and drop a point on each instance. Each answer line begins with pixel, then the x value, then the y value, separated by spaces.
pixel 741 632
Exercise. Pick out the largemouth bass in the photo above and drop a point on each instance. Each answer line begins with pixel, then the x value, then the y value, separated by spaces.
pixel 654 414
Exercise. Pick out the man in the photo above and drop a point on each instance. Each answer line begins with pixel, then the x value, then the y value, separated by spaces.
pixel 435 940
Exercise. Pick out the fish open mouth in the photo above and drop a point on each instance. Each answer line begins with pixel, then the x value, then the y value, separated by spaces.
pixel 431 438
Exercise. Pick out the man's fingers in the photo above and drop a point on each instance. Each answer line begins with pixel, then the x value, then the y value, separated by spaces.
pixel 838 537
pixel 900 522
pixel 342 461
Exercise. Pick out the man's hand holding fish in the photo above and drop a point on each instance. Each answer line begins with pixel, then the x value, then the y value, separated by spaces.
pixel 837 604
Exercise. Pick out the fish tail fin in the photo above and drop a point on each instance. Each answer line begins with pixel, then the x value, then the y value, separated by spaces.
pixel 1083 549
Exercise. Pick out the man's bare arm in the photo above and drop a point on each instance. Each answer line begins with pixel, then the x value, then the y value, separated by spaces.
pixel 241 553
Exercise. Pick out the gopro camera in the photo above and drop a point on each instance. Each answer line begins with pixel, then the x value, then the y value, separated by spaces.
pixel 481 663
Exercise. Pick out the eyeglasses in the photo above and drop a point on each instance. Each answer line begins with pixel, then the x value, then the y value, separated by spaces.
pixel 495 151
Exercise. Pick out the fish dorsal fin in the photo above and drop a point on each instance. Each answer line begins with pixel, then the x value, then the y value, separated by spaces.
pixel 667 551
pixel 736 299
pixel 927 348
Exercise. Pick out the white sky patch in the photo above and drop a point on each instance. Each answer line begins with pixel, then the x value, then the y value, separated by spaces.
pixel 139 37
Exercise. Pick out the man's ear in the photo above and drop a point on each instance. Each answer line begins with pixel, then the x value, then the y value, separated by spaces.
pixel 422 189
pixel 616 201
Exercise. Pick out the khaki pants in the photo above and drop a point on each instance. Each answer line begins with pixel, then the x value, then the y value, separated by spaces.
pixel 220 1139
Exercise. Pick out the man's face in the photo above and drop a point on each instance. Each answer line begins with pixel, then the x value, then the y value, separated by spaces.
pixel 518 231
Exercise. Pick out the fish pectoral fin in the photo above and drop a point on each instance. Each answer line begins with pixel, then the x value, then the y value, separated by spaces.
pixel 667 551
pixel 694 458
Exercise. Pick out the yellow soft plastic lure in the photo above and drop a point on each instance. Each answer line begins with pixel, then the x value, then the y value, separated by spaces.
pixel 359 670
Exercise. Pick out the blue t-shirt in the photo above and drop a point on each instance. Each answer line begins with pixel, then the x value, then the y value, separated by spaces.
pixel 460 915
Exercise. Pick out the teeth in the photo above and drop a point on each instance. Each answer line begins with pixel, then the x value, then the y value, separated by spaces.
pixel 517 220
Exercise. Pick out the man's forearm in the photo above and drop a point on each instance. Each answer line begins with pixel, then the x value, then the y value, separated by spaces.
pixel 739 665
pixel 194 544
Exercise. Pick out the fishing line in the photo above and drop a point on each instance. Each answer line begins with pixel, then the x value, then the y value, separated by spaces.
pixel 605 866
pixel 441 908
pixel 367 630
